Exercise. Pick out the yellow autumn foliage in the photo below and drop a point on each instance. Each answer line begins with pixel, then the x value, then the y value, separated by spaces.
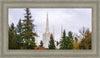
pixel 76 45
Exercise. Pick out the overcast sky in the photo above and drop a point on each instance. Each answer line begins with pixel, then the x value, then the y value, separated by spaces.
pixel 72 19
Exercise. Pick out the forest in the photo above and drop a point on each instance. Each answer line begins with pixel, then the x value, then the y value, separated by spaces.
pixel 23 36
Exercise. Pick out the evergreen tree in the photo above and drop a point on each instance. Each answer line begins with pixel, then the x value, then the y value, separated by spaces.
pixel 76 40
pixel 63 41
pixel 14 29
pixel 12 26
pixel 12 39
pixel 51 43
pixel 66 41
pixel 69 41
pixel 19 27
pixel 57 43
pixel 70 36
pixel 41 44
pixel 28 33
pixel 18 32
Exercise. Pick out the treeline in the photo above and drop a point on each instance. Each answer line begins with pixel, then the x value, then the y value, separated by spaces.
pixel 23 36
pixel 72 42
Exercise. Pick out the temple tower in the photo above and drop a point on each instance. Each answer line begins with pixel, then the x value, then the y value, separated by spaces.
pixel 46 35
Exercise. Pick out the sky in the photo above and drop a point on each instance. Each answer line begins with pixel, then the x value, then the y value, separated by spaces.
pixel 71 19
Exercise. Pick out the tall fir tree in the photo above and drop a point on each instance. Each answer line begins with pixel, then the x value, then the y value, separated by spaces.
pixel 51 43
pixel 28 33
pixel 41 44
pixel 63 41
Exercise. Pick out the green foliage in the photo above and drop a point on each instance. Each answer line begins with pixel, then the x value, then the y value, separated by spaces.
pixel 76 39
pixel 23 34
pixel 63 41
pixel 28 31
pixel 69 40
pixel 51 43
pixel 57 43
pixel 13 44
pixel 19 27
pixel 29 44
pixel 18 31
pixel 41 44
pixel 13 29
pixel 66 41
pixel 12 39
pixel 12 26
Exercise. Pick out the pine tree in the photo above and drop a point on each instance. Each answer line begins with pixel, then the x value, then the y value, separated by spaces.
pixel 12 39
pixel 41 44
pixel 57 43
pixel 69 41
pixel 76 40
pixel 19 27
pixel 51 43
pixel 19 31
pixel 14 29
pixel 66 41
pixel 63 41
pixel 28 33
pixel 12 26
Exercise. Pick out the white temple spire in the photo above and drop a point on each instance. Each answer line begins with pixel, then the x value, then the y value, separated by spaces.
pixel 47 24
pixel 46 35
pixel 53 31
pixel 55 42
pixel 61 31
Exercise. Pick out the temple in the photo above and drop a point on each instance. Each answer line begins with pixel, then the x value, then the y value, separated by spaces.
pixel 46 35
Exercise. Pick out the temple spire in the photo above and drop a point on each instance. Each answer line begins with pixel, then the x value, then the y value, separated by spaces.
pixel 53 30
pixel 46 35
pixel 61 30
pixel 47 24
